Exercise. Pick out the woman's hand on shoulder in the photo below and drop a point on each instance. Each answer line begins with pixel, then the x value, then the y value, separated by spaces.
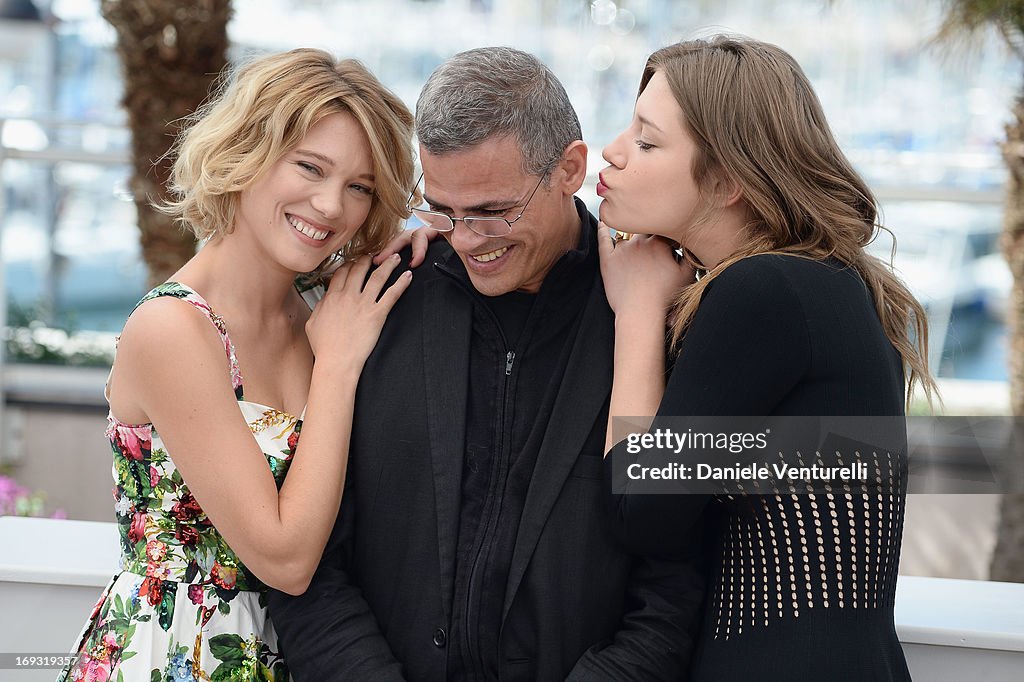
pixel 642 274
pixel 420 239
pixel 346 323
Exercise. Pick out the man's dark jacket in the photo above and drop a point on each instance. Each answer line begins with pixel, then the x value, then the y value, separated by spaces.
pixel 576 606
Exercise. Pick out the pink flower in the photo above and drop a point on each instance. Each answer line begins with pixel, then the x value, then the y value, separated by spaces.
pixel 157 570
pixel 138 527
pixel 97 671
pixel 223 576
pixel 110 641
pixel 154 476
pixel 129 443
pixel 156 550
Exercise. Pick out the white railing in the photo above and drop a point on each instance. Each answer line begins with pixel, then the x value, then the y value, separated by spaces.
pixel 51 573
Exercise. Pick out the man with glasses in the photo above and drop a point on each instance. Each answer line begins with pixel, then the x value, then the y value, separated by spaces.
pixel 470 543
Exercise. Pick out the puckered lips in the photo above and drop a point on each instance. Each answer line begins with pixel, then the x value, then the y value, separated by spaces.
pixel 308 230
pixel 602 187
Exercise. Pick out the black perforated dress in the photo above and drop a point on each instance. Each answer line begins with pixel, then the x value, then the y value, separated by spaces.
pixel 800 586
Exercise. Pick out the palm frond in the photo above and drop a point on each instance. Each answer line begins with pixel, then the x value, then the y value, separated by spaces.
pixel 965 20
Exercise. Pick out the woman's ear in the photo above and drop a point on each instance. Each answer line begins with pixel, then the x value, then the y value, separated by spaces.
pixel 726 191
pixel 571 170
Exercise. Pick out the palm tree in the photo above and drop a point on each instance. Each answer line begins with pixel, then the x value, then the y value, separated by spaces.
pixel 170 51
pixel 965 18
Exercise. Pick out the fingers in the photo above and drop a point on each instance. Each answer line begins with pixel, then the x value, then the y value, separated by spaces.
pixel 338 277
pixel 380 276
pixel 357 275
pixel 401 241
pixel 381 303
pixel 605 243
pixel 387 300
pixel 421 239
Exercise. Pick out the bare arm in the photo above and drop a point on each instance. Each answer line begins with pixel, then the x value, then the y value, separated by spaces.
pixel 172 366
pixel 641 280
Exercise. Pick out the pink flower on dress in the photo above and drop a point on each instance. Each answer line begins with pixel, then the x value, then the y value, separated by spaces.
pixel 154 476
pixel 224 576
pixel 92 669
pixel 156 550
pixel 110 642
pixel 138 528
pixel 130 444
pixel 157 570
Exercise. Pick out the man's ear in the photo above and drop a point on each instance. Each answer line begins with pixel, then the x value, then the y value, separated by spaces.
pixel 571 170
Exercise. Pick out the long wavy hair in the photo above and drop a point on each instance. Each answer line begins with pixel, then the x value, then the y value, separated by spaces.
pixel 263 111
pixel 756 120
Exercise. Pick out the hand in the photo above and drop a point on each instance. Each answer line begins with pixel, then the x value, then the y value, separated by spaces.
pixel 420 239
pixel 345 324
pixel 642 274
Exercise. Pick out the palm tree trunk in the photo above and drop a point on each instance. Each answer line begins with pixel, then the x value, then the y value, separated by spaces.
pixel 170 50
pixel 1008 557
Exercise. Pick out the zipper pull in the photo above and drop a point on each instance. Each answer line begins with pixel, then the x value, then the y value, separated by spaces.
pixel 509 359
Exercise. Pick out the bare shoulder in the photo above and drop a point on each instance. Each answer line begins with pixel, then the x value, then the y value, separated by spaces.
pixel 169 327
pixel 167 345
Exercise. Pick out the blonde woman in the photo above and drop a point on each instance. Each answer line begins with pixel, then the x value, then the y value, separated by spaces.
pixel 729 155
pixel 218 370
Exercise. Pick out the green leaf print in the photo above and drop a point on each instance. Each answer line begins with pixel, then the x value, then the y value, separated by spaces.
pixel 224 671
pixel 154 676
pixel 141 468
pixel 166 609
pixel 224 607
pixel 227 648
pixel 165 485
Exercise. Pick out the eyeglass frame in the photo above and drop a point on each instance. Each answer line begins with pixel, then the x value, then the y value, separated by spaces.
pixel 463 219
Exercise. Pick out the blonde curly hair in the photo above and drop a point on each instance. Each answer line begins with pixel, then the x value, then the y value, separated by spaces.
pixel 263 112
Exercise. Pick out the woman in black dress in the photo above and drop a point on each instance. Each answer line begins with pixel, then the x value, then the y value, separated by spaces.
pixel 729 156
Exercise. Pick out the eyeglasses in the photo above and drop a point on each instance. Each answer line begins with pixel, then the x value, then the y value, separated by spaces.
pixel 485 226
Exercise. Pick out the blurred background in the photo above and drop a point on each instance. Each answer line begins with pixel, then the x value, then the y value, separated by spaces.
pixel 922 119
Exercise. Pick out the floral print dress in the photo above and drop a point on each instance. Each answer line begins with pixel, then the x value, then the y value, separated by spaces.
pixel 183 607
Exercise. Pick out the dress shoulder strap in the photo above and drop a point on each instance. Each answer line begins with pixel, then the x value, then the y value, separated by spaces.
pixel 191 296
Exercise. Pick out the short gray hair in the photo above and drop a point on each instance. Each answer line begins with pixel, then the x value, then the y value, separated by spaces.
pixel 495 91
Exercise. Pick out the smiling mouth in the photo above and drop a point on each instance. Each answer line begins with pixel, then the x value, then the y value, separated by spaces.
pixel 308 230
pixel 491 255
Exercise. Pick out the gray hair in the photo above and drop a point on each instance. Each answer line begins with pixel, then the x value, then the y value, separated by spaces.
pixel 493 91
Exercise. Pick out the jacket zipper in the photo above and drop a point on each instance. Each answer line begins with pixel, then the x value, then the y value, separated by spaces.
pixel 476 661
